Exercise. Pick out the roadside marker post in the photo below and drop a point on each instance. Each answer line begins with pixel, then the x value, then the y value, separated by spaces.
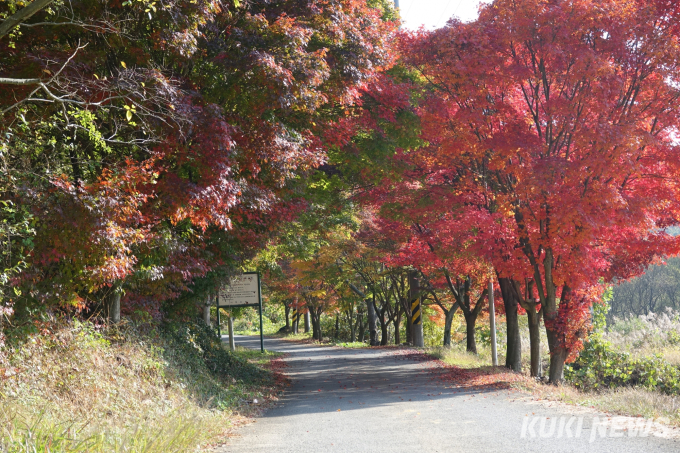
pixel 294 324
pixel 416 310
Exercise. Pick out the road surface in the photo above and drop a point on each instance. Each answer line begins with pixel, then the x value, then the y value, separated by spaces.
pixel 375 400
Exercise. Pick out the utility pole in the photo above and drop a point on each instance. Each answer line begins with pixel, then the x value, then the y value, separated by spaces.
pixel 492 323
pixel 416 312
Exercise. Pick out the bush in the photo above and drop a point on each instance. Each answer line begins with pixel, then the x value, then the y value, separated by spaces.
pixel 599 365
pixel 217 359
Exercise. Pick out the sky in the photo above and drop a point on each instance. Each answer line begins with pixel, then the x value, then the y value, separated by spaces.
pixel 435 13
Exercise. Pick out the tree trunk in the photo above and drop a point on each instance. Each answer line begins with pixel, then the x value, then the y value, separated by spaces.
pixel 287 311
pixel 409 328
pixel 296 320
pixel 397 328
pixel 534 340
pixel 362 327
pixel 513 356
pixel 352 327
pixel 337 326
pixel 206 311
pixel 558 353
pixel 448 320
pixel 470 321
pixel 384 339
pixel 372 329
pixel 307 321
pixel 318 327
pixel 557 360
pixel 113 304
pixel 315 329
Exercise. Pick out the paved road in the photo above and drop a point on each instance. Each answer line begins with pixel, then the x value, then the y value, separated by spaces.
pixel 374 400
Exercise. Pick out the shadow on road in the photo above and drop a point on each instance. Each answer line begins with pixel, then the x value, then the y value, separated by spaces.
pixel 328 379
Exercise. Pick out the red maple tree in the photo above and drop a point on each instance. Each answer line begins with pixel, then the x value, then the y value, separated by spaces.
pixel 560 117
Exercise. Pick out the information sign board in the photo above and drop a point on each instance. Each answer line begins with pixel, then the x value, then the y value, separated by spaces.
pixel 242 291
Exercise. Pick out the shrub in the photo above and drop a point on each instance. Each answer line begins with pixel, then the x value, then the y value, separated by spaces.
pixel 599 365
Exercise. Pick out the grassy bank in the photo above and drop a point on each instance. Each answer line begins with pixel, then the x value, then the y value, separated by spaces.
pixel 633 401
pixel 136 387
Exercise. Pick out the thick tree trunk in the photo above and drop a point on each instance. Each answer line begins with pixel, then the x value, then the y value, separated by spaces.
pixel 557 361
pixel 513 356
pixel 287 311
pixel 316 324
pixel 372 329
pixel 470 321
pixel 534 341
pixel 448 321
pixel 315 329
pixel 384 338
pixel 558 355
pixel 307 321
pixel 318 327
pixel 112 304
pixel 362 327
pixel 397 328
pixel 206 312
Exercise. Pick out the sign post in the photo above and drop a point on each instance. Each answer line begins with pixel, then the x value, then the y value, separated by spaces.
pixel 243 291
pixel 259 297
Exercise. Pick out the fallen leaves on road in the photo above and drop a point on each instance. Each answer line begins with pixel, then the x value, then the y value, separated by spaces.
pixel 475 378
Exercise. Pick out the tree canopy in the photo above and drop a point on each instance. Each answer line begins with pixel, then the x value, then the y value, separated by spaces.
pixel 154 149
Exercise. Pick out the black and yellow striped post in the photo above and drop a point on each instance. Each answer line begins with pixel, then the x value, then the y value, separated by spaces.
pixel 294 321
pixel 416 310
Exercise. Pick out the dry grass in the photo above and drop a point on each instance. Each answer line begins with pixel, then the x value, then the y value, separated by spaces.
pixel 457 356
pixel 127 389
pixel 623 401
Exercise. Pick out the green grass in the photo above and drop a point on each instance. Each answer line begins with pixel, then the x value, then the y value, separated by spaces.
pixel 457 355
pixel 255 356
pixel 353 345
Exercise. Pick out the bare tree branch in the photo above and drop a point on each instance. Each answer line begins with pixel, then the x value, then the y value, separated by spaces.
pixel 15 19
pixel 8 81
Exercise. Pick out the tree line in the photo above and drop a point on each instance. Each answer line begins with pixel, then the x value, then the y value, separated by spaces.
pixel 150 150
